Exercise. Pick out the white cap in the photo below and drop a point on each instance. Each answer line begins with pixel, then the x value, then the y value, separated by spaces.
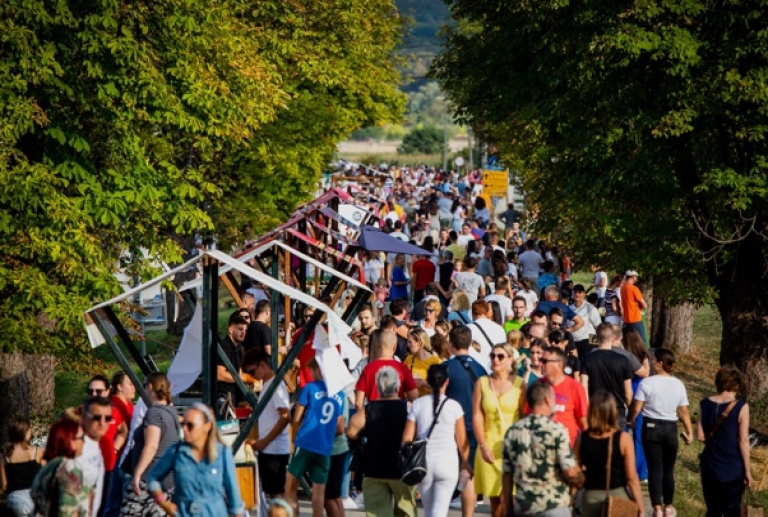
pixel 630 272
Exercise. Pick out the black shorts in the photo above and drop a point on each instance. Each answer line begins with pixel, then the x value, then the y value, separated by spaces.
pixel 336 476
pixel 272 469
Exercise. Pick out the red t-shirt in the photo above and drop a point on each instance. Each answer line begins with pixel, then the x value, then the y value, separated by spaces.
pixel 424 271
pixel 305 354
pixel 367 381
pixel 571 405
pixel 122 412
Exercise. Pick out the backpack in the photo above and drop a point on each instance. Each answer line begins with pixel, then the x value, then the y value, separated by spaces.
pixel 43 490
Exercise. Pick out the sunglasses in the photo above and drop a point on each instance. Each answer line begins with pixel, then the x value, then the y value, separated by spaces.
pixel 189 425
pixel 308 315
pixel 545 361
pixel 100 418
pixel 556 324
pixel 499 357
pixel 95 391
pixel 429 310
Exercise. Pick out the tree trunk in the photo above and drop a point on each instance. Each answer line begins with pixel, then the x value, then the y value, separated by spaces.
pixel 743 305
pixel 26 387
pixel 673 325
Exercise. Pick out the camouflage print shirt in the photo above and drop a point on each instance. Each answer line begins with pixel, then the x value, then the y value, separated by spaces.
pixel 536 453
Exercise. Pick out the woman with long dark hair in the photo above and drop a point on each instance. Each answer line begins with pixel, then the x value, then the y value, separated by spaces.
pixel 634 344
pixel 591 451
pixel 449 433
pixel 663 401
pixel 19 464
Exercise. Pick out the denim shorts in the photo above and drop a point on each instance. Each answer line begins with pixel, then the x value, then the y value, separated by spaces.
pixel 20 503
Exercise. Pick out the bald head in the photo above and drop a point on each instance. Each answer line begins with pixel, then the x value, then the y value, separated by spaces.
pixel 388 342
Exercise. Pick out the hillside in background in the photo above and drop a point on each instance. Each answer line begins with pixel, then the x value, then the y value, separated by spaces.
pixel 421 41
pixel 428 16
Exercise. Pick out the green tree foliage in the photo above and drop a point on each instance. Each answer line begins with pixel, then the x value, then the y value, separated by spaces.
pixel 426 140
pixel 128 125
pixel 639 129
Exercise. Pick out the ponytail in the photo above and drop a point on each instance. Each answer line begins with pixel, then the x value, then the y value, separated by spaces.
pixel 437 375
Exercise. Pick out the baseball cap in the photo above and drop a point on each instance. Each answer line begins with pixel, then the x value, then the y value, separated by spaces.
pixel 631 272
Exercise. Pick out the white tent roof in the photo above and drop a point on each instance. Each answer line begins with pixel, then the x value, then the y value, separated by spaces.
pixel 96 338
pixel 264 247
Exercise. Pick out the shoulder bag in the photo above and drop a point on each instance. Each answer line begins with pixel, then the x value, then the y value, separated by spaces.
pixel 413 456
pixel 615 506
pixel 485 335
pixel 721 419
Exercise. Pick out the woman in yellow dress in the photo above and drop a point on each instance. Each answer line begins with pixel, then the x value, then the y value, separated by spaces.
pixel 497 403
pixel 420 358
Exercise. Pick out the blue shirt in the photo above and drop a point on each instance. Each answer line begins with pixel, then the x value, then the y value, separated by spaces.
pixel 398 291
pixel 462 384
pixel 201 486
pixel 547 307
pixel 321 412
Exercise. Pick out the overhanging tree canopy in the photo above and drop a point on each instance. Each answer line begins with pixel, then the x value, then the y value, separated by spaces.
pixel 639 129
pixel 136 124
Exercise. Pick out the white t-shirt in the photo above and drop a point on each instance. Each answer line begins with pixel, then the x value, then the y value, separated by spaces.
pixel 495 333
pixel 662 395
pixel 505 304
pixel 463 240
pixel 373 269
pixel 530 262
pixel 591 318
pixel 599 277
pixel 92 464
pixel 269 417
pixel 470 283
pixel 443 437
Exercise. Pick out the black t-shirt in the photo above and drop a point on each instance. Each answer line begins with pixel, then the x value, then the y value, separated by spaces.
pixel 384 424
pixel 235 354
pixel 258 335
pixel 445 275
pixel 572 365
pixel 607 371
pixel 402 343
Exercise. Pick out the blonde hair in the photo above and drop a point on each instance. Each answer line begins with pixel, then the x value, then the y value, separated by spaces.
pixel 511 352
pixel 513 338
pixel 434 305
pixel 422 337
pixel 213 435
pixel 460 300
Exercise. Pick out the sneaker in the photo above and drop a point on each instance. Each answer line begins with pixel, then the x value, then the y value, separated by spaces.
pixel 670 511
pixel 644 481
pixel 456 503
pixel 360 501
pixel 349 503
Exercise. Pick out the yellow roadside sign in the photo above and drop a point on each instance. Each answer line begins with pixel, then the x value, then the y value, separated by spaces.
pixel 495 183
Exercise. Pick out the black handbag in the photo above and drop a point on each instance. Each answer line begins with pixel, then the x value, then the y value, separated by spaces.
pixel 413 456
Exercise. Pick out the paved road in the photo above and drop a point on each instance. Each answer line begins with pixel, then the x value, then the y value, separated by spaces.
pixel 306 510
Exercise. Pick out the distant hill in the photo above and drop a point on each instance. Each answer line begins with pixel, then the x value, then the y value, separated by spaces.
pixel 428 15
pixel 421 41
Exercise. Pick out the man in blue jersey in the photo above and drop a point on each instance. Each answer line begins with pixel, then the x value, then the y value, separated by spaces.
pixel 322 421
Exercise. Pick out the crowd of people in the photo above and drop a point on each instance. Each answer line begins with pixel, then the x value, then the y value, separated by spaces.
pixel 537 395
